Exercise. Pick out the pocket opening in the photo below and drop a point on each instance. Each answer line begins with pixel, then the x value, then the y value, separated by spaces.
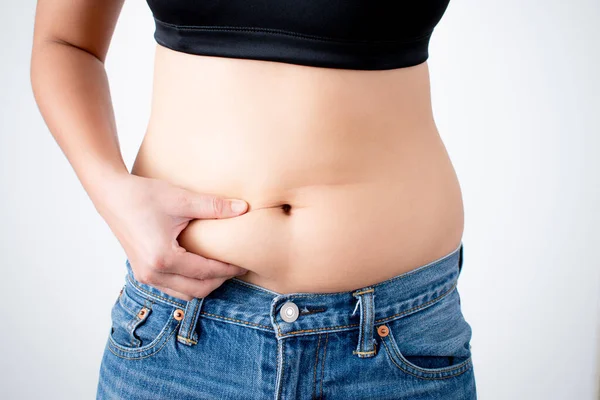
pixel 431 344
pixel 139 326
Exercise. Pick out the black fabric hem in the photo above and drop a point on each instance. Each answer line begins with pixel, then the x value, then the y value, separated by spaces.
pixel 289 48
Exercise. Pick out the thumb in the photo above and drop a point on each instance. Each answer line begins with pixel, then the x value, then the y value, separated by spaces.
pixel 199 205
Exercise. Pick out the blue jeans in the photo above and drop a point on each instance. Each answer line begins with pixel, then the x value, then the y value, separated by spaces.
pixel 403 338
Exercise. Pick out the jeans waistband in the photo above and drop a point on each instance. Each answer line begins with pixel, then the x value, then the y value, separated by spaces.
pixel 253 306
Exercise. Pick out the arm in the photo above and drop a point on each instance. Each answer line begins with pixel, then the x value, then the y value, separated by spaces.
pixel 70 85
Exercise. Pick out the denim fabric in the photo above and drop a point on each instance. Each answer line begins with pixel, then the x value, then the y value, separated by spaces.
pixel 235 343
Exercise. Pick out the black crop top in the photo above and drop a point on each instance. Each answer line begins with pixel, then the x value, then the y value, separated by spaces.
pixel 350 34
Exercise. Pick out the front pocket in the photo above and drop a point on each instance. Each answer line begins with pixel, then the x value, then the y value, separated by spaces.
pixel 433 343
pixel 140 327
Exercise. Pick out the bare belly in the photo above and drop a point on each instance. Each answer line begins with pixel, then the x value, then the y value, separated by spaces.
pixel 347 180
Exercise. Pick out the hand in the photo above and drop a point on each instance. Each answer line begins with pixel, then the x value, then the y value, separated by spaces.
pixel 147 215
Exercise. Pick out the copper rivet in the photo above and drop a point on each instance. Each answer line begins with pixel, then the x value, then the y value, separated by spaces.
pixel 383 330
pixel 178 314
pixel 142 313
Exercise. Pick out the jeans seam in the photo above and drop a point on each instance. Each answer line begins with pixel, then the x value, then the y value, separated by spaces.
pixel 315 369
pixel 132 352
pixel 323 362
pixel 153 295
pixel 464 365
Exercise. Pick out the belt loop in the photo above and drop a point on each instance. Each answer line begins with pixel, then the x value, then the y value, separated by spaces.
pixel 187 330
pixel 366 341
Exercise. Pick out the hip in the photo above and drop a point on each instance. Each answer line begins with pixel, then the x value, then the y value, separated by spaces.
pixel 405 337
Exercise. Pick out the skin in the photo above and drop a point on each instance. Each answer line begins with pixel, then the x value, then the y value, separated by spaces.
pixel 71 39
pixel 346 178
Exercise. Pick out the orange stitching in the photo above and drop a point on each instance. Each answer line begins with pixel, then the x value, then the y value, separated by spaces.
pixel 282 367
pixel 320 329
pixel 376 321
pixel 401 356
pixel 186 339
pixel 379 321
pixel 181 305
pixel 278 382
pixel 363 352
pixel 237 320
pixel 146 356
pixel 125 349
pixel 314 311
pixel 364 291
pixel 258 289
pixel 419 306
pixel 315 371
pixel 192 317
pixel 424 377
pixel 323 362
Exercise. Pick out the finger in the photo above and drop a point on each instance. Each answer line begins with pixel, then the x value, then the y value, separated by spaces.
pixel 190 204
pixel 195 266
pixel 174 293
pixel 192 287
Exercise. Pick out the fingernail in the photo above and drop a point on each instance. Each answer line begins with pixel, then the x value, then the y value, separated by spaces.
pixel 238 205
pixel 242 272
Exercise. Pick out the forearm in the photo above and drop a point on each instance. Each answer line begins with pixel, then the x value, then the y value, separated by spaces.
pixel 71 89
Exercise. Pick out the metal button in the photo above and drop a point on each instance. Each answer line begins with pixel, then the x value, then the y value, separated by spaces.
pixel 289 311
pixel 383 330
pixel 178 314
pixel 142 313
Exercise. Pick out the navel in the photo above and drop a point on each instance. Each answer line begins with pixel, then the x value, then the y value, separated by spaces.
pixel 286 209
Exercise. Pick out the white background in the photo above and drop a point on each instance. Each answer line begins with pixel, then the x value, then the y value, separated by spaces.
pixel 516 93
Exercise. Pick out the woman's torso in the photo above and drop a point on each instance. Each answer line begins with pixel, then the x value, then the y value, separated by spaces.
pixel 356 154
